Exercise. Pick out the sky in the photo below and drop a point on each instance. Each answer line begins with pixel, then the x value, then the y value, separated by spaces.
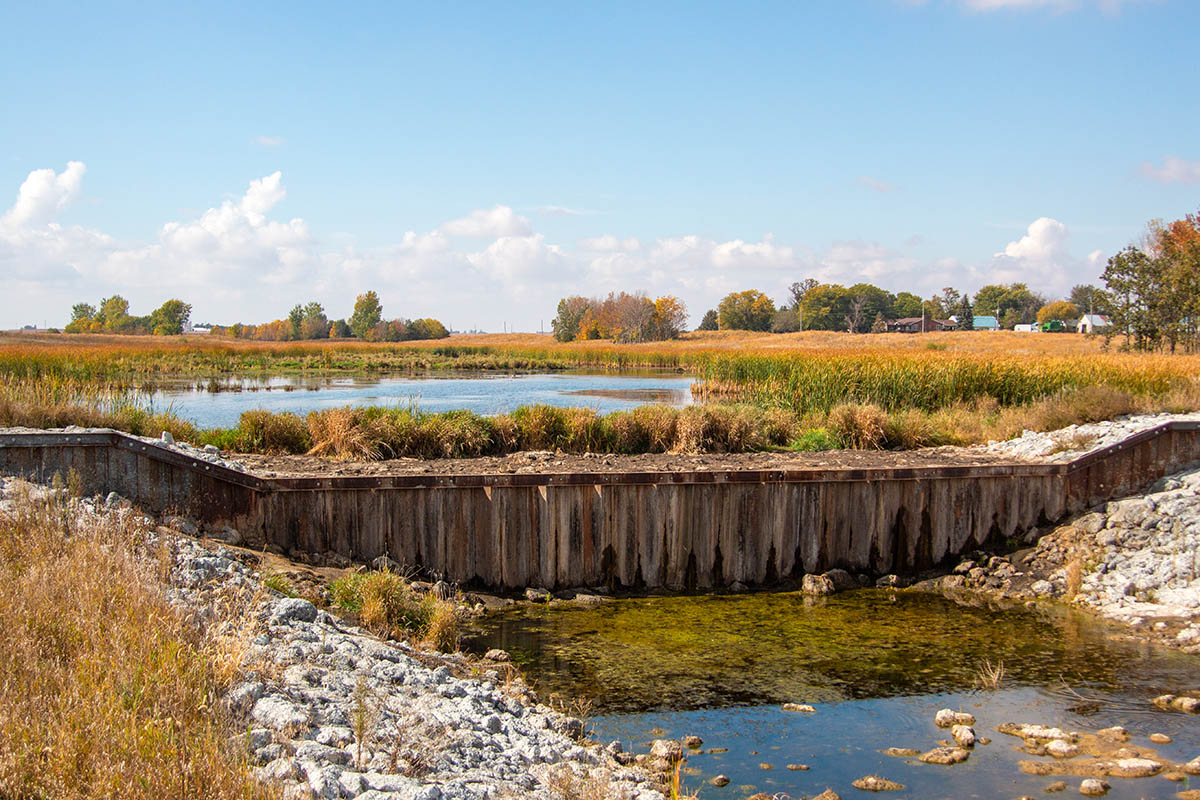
pixel 475 162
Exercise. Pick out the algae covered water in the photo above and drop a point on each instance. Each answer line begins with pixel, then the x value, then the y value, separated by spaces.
pixel 876 665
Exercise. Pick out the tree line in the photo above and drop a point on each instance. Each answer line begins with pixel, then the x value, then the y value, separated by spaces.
pixel 865 308
pixel 619 317
pixel 112 316
pixel 309 321
pixel 305 321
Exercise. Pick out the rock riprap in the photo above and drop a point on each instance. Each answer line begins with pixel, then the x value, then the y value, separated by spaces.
pixel 327 710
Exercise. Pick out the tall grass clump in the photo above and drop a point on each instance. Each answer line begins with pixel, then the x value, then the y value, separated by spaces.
pixel 261 431
pixel 107 690
pixel 387 604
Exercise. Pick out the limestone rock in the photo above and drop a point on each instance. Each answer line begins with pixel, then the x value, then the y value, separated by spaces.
pixel 291 609
pixel 964 735
pixel 1094 787
pixel 1135 768
pixel 666 749
pixel 803 708
pixel 720 780
pixel 945 755
pixel 948 718
pixel 874 783
pixel 816 585
pixel 1061 749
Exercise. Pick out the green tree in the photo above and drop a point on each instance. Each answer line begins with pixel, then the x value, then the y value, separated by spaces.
pixel 170 318
pixel 906 304
pixel 750 310
pixel 368 311
pixel 870 301
pixel 313 322
pixel 296 320
pixel 571 311
pixel 82 311
pixel 1091 299
pixel 966 314
pixel 710 322
pixel 825 308
pixel 114 312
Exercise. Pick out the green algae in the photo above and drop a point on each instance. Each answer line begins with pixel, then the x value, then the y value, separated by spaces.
pixel 705 651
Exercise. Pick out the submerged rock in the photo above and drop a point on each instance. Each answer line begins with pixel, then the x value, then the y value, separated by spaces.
pixel 803 708
pixel 720 780
pixel 874 783
pixel 816 585
pixel 901 752
pixel 945 755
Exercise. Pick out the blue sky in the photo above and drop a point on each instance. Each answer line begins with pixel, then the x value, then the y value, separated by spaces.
pixel 475 162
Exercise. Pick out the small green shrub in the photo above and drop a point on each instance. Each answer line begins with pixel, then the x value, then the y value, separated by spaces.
pixel 815 440
pixel 280 583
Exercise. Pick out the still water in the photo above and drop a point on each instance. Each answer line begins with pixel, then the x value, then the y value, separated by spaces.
pixel 877 665
pixel 483 393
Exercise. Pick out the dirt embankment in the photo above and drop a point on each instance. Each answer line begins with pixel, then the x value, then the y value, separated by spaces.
pixel 551 462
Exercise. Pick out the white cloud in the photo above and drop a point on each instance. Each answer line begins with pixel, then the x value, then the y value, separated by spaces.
pixel 1041 258
pixel 561 211
pixel 1173 170
pixel 44 194
pixel 269 141
pixel 485 223
pixel 883 187
pixel 520 258
pixel 240 260
pixel 609 243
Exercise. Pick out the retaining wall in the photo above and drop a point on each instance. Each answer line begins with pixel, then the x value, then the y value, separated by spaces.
pixel 677 530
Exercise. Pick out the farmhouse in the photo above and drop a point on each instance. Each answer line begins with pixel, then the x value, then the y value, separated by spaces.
pixel 920 325
pixel 985 322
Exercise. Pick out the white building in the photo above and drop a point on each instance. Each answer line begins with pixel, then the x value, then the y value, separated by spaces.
pixel 1091 323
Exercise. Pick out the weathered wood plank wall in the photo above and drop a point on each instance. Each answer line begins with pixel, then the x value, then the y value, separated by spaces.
pixel 677 531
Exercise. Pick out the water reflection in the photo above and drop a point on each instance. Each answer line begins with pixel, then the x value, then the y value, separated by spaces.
pixel 219 403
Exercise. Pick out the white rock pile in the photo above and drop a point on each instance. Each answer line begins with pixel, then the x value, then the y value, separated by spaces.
pixel 1145 558
pixel 1067 444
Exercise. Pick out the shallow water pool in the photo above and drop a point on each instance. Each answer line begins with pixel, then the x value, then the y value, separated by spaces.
pixel 877 665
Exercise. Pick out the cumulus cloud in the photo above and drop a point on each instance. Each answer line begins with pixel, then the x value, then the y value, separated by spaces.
pixel 609 243
pixel 1173 170
pixel 43 194
pixel 1041 258
pixel 489 223
pixel 242 260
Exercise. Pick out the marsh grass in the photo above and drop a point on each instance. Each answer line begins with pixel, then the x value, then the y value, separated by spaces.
pixel 105 689
pixel 809 391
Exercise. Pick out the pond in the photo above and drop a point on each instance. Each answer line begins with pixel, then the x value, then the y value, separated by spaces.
pixel 877 665
pixel 483 393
